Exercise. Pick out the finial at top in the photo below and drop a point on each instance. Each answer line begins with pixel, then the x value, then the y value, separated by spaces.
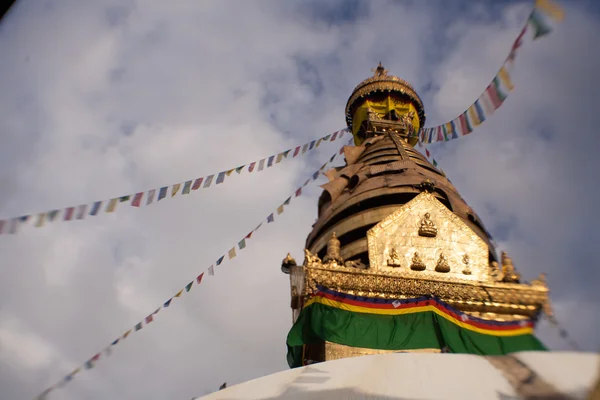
pixel 379 71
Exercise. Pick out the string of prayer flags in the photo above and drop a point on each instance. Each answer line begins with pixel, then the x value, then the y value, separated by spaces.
pixel 11 225
pixel 539 23
pixel 90 363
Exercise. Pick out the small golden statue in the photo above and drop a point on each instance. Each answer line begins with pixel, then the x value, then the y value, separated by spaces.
pixel 540 281
pixel 407 120
pixel 495 272
pixel 508 270
pixel 333 251
pixel 442 264
pixel 310 258
pixel 467 261
pixel 417 264
pixel 394 260
pixel 287 264
pixel 428 228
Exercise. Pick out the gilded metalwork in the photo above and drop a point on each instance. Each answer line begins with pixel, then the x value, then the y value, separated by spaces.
pixel 466 261
pixel 454 238
pixel 355 264
pixel 287 263
pixel 335 351
pixel 333 251
pixel 428 228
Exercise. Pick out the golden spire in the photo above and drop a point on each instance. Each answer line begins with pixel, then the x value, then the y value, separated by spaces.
pixel 379 71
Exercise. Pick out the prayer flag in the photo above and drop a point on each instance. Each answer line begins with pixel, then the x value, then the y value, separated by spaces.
pixel 175 189
pixel 40 222
pixel 126 334
pixel 261 164
pixel 311 145
pixel 427 152
pixel 280 210
pixel 151 194
pixel 220 260
pixel 220 178
pixel 211 270
pixel 187 187
pixel 138 326
pixel 304 148
pixel 52 214
pixel 179 293
pixel 137 199
pixel 251 167
pixel 343 131
pixel 249 235
pixel 242 244
pixel 279 158
pixel 13 226
pixel 162 193
pixel 208 181
pixel 332 158
pixel 335 134
pixel 94 209
pixel 539 23
pixel 149 319
pixel 257 227
pixel 188 287
pixel 167 303
pixel 454 129
pixel 123 199
pixel 199 278
pixel 270 218
pixel 81 211
pixel 505 78
pixel 287 201
pixel 231 254
pixel 296 151
pixel 239 169
pixel 112 204
pixel 550 9
pixel 342 150
pixel 298 192
pixel 326 138
pixel 197 184
pixel 228 173
pixel 315 175
pixel 69 213
pixel 270 163
pixel 115 341
pixel 318 142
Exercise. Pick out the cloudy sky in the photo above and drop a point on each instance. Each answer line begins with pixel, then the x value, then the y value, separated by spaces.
pixel 105 98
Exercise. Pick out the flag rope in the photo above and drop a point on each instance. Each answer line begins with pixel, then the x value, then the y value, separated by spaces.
pixel 230 254
pixel 497 91
pixel 11 225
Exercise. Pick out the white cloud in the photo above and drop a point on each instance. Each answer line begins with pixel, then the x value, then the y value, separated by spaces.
pixel 200 88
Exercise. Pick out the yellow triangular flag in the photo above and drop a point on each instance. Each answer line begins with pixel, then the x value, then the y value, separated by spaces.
pixel 112 204
pixel 126 334
pixel 175 189
pixel 279 158
pixel 179 293
pixel 551 9
pixel 41 220
pixel 505 78
pixel 232 253
pixel 229 172
pixel 280 209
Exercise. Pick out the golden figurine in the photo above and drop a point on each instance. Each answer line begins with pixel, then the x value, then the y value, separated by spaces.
pixel 442 264
pixel 540 281
pixel 417 264
pixel 333 251
pixel 287 264
pixel 508 270
pixel 407 120
pixel 428 228
pixel 310 258
pixel 467 261
pixel 394 260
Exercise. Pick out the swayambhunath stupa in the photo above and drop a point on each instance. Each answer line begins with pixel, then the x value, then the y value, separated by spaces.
pixel 401 292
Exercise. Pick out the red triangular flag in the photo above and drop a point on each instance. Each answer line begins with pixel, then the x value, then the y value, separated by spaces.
pixel 137 199
pixel 199 278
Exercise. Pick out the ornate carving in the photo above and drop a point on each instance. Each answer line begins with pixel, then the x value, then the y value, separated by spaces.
pixel 442 264
pixel 508 270
pixel 428 228
pixel 310 258
pixel 495 272
pixel 333 251
pixel 407 120
pixel 379 71
pixel 394 260
pixel 509 300
pixel 287 263
pixel 427 185
pixel 466 260
pixel 417 264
